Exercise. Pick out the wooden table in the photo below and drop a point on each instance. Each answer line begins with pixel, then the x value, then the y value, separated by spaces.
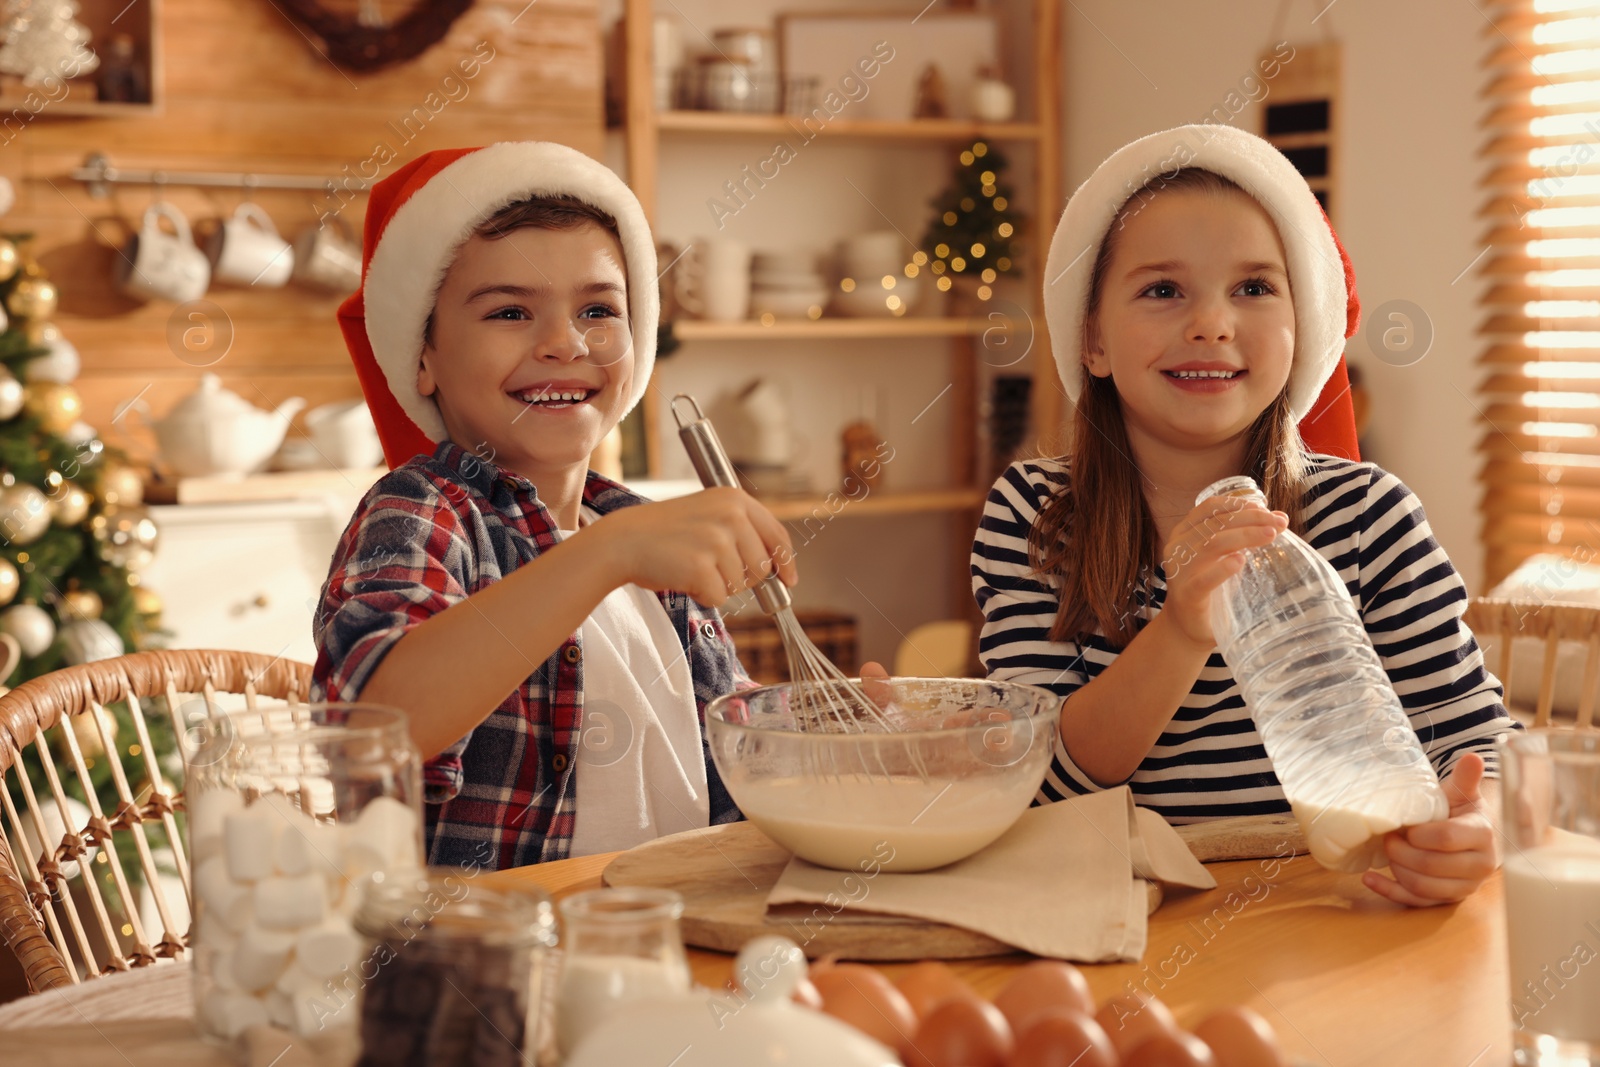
pixel 1344 976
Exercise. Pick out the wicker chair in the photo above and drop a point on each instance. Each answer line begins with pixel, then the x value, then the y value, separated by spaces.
pixel 39 909
pixel 1552 623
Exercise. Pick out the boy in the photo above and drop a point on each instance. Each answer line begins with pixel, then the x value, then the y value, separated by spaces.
pixel 512 602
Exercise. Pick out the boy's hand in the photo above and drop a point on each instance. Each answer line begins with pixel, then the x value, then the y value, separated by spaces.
pixel 1445 861
pixel 710 545
pixel 1205 549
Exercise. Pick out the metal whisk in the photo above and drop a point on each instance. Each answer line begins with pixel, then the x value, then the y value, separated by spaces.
pixel 825 698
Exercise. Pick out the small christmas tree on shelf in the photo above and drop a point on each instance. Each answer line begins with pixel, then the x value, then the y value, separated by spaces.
pixel 973 233
pixel 43 40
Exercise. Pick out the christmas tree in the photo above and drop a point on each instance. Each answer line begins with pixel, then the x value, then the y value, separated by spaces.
pixel 974 228
pixel 44 39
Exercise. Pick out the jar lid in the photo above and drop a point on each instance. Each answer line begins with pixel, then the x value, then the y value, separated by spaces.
pixel 445 903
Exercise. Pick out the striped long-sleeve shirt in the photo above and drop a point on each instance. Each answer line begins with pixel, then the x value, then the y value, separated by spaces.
pixel 1209 761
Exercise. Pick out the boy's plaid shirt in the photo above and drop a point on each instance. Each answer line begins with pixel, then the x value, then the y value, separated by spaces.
pixel 431 533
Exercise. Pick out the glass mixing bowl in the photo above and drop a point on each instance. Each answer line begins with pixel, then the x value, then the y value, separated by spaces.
pixel 962 761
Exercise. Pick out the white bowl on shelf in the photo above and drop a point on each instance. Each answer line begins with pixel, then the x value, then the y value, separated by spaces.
pixel 788 303
pixel 870 298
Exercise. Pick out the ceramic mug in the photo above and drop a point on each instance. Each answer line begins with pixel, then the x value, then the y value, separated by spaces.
pixel 712 279
pixel 157 265
pixel 328 258
pixel 246 250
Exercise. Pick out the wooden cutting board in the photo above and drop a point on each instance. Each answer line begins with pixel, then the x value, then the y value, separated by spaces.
pixel 724 874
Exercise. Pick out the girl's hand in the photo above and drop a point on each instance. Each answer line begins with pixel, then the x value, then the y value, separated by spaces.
pixel 1445 861
pixel 1205 549
pixel 710 545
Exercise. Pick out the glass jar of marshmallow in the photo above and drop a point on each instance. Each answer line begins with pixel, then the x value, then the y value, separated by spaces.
pixel 293 811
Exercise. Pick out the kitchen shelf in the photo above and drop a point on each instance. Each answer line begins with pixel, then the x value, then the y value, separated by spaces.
pixel 826 329
pixel 911 501
pixel 723 122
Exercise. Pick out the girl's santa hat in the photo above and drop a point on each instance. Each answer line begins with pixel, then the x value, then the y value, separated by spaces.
pixel 1321 277
pixel 416 220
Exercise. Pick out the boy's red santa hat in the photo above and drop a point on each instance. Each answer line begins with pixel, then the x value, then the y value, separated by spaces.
pixel 1321 277
pixel 418 217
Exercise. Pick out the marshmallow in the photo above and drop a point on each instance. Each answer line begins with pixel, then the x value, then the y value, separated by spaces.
pixel 212 930
pixel 324 1008
pixel 218 964
pixel 249 841
pixel 280 1009
pixel 385 836
pixel 260 956
pixel 207 809
pixel 297 981
pixel 326 950
pixel 225 898
pixel 290 903
pixel 305 846
pixel 231 1014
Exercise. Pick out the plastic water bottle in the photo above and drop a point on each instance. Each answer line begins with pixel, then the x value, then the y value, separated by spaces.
pixel 1338 737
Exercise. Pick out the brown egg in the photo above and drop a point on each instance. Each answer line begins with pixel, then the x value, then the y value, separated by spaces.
pixel 960 1032
pixel 1132 1018
pixel 929 982
pixel 1240 1038
pixel 1060 1038
pixel 1040 986
pixel 861 996
pixel 1171 1050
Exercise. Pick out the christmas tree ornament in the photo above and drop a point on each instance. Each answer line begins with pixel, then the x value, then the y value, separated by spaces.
pixel 81 604
pixel 121 486
pixel 9 581
pixel 70 505
pixel 80 433
pixel 88 640
pixel 41 332
pixel 127 536
pixel 31 625
pixel 12 394
pixel 147 601
pixel 84 730
pixel 56 406
pixel 8 198
pixel 24 513
pixel 44 40
pixel 32 298
pixel 60 364
pixel 10 256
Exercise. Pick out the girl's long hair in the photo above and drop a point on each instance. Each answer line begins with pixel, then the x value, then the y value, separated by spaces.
pixel 1097 536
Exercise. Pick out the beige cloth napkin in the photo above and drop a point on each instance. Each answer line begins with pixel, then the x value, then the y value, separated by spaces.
pixel 1064 882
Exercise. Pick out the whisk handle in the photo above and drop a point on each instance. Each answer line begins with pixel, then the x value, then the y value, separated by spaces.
pixel 714 468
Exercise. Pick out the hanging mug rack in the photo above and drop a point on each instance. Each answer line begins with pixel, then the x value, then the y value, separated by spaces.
pixel 99 174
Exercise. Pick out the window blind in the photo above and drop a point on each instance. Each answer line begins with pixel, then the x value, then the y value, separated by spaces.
pixel 1541 390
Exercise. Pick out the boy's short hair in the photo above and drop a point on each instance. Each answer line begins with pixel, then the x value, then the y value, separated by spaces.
pixel 560 212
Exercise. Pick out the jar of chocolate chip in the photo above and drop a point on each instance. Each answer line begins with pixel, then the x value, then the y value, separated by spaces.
pixel 452 972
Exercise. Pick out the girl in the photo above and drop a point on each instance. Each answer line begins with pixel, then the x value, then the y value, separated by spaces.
pixel 1195 322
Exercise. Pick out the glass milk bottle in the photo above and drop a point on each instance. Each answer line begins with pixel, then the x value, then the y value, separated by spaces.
pixel 1337 735
pixel 1550 794
pixel 292 810
pixel 621 945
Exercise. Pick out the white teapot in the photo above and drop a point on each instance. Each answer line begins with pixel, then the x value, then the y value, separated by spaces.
pixel 216 431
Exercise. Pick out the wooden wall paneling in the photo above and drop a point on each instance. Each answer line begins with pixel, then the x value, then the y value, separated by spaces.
pixel 244 90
